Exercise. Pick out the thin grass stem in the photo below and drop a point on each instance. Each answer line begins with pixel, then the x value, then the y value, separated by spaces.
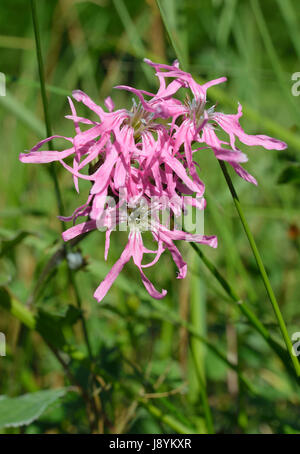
pixel 45 105
pixel 262 269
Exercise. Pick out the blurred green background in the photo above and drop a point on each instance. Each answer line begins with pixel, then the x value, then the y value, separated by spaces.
pixel 142 376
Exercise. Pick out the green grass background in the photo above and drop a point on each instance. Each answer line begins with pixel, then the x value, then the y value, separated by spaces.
pixel 138 345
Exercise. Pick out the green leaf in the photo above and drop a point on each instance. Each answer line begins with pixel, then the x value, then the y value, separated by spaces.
pixel 290 175
pixel 23 410
pixel 70 315
pixel 48 327
pixel 51 325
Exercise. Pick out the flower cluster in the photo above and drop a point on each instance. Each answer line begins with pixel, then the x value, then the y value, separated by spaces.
pixel 144 154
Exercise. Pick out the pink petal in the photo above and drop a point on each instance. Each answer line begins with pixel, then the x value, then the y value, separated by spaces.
pixel 136 245
pixel 102 175
pixel 73 110
pixel 158 253
pixel 210 138
pixel 83 120
pixel 196 238
pixel 109 104
pixel 181 172
pixel 42 157
pixel 243 173
pixel 42 142
pixel 78 230
pixel 138 93
pixel 231 125
pixel 151 289
pixel 177 257
pixel 80 96
pixel 113 274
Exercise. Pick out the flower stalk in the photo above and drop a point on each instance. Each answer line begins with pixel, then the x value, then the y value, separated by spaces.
pixel 262 270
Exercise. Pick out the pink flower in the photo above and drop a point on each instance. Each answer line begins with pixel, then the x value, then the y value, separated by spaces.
pixel 139 221
pixel 198 123
pixel 140 164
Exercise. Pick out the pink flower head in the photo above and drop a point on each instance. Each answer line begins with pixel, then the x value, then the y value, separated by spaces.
pixel 142 215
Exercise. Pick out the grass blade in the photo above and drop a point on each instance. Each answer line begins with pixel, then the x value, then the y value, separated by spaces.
pixel 262 270
pixel 271 51
pixel 172 32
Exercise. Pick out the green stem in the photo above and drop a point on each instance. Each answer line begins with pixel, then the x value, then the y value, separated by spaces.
pixel 262 270
pixel 149 386
pixel 45 104
pixel 202 389
pixel 54 176
pixel 133 35
pixel 49 134
pixel 131 393
pixel 166 419
pixel 173 35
